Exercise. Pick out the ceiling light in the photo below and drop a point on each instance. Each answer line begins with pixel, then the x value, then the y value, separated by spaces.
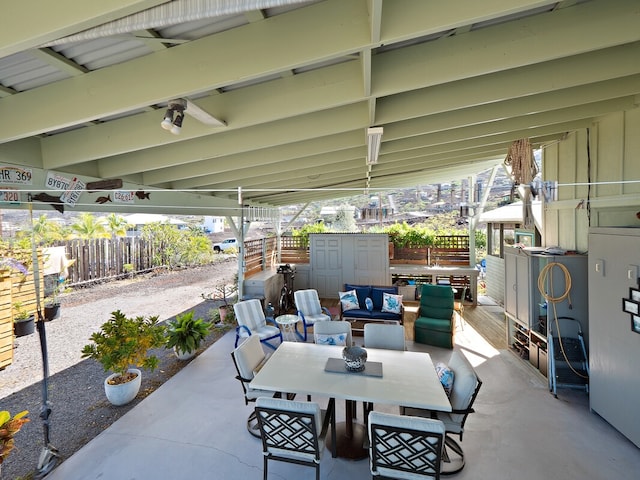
pixel 374 137
pixel 174 116
pixel 177 122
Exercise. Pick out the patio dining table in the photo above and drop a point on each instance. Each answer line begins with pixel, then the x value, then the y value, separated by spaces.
pixel 399 378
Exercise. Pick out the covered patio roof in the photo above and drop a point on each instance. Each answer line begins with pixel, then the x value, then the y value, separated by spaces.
pixel 280 94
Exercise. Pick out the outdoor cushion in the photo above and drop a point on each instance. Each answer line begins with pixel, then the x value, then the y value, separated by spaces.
pixel 377 295
pixel 334 339
pixel 436 301
pixel 391 303
pixel 446 376
pixel 348 300
pixel 362 292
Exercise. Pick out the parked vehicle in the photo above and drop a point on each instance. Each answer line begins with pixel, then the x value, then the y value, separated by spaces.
pixel 226 244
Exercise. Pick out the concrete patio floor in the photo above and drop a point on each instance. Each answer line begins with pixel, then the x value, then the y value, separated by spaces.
pixel 194 427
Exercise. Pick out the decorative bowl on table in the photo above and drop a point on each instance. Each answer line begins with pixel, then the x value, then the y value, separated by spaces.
pixel 354 358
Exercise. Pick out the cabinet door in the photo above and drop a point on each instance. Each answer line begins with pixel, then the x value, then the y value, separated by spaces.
pixel 326 265
pixel 523 284
pixel 510 292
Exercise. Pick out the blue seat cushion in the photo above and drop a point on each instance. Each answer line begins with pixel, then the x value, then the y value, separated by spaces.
pixel 375 314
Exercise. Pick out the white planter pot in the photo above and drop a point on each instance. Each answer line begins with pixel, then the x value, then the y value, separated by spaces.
pixel 125 392
pixel 183 355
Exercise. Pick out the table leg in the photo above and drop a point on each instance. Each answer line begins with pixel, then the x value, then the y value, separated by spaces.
pixel 350 436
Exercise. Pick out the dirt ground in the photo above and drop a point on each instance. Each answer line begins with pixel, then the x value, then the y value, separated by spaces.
pixel 79 408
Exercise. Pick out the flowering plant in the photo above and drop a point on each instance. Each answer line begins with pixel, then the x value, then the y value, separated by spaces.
pixel 8 428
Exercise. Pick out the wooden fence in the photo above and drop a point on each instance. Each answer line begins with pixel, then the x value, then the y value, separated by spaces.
pixel 106 258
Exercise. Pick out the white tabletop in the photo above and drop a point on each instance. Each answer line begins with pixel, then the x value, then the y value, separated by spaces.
pixel 287 319
pixel 408 378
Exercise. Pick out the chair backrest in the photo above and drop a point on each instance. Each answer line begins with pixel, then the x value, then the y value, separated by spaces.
pixel 248 357
pixel 403 446
pixel 384 335
pixel 436 301
pixel 335 332
pixel 290 428
pixel 466 385
pixel 249 313
pixel 308 302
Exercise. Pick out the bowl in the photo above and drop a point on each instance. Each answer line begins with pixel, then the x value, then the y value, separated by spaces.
pixel 354 358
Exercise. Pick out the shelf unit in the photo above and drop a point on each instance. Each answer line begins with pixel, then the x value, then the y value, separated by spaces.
pixel 528 315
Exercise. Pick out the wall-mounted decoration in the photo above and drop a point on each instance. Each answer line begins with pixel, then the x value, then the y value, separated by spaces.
pixel 635 323
pixel 634 294
pixel 630 306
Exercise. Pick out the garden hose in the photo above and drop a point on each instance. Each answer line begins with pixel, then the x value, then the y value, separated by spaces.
pixel 550 299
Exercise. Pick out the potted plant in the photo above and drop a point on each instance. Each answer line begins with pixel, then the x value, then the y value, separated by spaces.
pixel 185 334
pixel 223 291
pixel 8 428
pixel 52 302
pixel 121 345
pixel 23 320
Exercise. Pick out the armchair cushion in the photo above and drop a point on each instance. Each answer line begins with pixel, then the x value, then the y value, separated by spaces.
pixel 464 385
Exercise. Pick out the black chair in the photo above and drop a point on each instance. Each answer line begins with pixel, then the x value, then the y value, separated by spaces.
pixel 294 432
pixel 405 447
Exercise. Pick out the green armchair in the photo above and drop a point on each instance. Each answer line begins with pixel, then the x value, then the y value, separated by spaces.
pixel 435 324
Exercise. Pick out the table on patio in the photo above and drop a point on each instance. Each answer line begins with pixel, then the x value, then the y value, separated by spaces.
pixel 408 379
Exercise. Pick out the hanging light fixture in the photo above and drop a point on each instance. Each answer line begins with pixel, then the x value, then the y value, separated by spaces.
pixel 174 116
pixel 374 137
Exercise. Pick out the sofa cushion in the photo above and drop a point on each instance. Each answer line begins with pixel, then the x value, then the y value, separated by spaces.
pixel 377 295
pixel 391 303
pixel 362 292
pixel 365 314
pixel 348 300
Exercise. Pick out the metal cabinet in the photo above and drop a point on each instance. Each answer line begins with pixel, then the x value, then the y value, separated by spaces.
pixel 527 311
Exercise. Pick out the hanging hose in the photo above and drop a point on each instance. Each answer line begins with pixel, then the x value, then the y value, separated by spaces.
pixel 49 456
pixel 550 299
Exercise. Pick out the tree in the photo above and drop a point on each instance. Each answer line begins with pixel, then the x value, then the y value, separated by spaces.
pixel 116 225
pixel 88 227
pixel 344 220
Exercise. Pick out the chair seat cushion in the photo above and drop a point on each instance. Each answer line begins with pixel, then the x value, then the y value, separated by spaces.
pixel 374 315
pixel 312 319
pixel 264 332
pixel 435 324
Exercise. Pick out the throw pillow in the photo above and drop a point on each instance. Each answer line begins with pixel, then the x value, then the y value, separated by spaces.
pixel 391 303
pixel 369 303
pixel 333 339
pixel 445 374
pixel 349 300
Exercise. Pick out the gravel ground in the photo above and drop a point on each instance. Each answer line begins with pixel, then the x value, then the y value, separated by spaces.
pixel 80 410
